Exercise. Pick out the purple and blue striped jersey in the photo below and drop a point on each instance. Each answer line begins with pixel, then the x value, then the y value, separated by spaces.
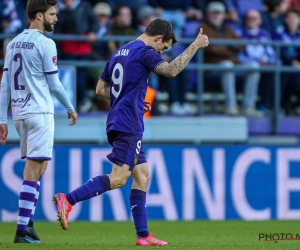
pixel 127 73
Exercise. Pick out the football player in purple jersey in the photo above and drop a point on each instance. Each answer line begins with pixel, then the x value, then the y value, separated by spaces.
pixel 124 81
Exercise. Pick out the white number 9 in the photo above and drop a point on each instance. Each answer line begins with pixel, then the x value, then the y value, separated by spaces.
pixel 138 147
pixel 117 81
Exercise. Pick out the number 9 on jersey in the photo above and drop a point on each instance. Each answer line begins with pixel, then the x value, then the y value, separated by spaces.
pixel 117 80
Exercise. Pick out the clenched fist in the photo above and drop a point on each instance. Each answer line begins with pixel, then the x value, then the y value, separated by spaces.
pixel 201 41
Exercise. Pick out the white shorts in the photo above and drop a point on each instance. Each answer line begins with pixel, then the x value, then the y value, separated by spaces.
pixel 36 136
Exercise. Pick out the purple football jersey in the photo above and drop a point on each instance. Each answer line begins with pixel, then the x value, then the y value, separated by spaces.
pixel 127 73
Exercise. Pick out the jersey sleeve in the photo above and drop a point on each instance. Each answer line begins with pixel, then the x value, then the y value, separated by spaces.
pixel 59 92
pixel 4 90
pixel 105 73
pixel 4 96
pixel 151 59
pixel 49 57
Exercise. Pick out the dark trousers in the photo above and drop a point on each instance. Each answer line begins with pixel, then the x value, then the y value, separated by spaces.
pixel 81 76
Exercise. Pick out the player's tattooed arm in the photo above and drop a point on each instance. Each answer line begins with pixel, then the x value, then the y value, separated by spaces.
pixel 165 69
pixel 103 89
pixel 180 62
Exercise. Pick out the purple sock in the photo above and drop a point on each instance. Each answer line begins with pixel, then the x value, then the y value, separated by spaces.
pixel 26 204
pixel 139 212
pixel 37 194
pixel 93 187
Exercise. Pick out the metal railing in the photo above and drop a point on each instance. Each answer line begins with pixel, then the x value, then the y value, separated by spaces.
pixel 276 69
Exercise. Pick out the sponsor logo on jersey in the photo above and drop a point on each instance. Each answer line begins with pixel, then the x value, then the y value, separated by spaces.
pixel 54 60
pixel 21 101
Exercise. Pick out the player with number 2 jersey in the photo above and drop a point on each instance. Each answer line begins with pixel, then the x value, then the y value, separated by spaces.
pixel 30 77
pixel 124 81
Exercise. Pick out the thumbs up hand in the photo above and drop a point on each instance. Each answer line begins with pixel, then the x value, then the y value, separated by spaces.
pixel 201 40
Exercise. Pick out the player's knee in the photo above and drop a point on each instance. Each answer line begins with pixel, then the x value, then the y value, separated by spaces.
pixel 142 181
pixel 121 181
pixel 227 64
pixel 253 65
pixel 32 170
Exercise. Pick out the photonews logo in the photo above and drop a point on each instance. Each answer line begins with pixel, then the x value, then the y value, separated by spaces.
pixel 278 236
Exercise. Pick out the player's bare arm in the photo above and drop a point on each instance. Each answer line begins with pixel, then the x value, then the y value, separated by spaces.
pixel 180 62
pixel 3 133
pixel 103 89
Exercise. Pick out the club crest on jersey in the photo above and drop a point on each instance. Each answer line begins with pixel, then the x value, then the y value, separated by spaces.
pixel 54 60
pixel 136 158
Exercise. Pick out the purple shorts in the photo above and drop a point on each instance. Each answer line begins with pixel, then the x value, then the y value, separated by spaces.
pixel 127 149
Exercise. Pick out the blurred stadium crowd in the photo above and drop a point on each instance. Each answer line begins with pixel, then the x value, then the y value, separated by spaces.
pixel 262 20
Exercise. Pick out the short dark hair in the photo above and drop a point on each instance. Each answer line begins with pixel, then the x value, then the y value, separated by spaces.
pixel 293 10
pixel 117 11
pixel 161 27
pixel 35 6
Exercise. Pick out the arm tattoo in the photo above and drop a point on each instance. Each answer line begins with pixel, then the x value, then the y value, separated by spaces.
pixel 164 69
pixel 178 64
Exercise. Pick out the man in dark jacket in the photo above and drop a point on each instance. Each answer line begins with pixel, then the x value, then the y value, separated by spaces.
pixel 121 26
pixel 215 28
pixel 77 18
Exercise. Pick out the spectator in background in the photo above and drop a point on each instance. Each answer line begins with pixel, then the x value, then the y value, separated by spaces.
pixel 196 10
pixel 145 16
pixel 100 50
pixel 274 16
pixel 102 12
pixel 215 28
pixel 238 8
pixel 290 4
pixel 93 2
pixel 1 31
pixel 262 54
pixel 77 18
pixel 173 11
pixel 21 11
pixel 11 22
pixel 134 5
pixel 121 25
pixel 290 55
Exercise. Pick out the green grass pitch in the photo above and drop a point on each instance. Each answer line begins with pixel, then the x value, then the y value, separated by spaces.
pixel 180 235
